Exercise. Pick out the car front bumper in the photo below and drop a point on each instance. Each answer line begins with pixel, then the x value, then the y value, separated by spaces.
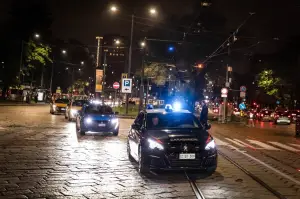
pixel 97 128
pixel 165 161
pixel 59 110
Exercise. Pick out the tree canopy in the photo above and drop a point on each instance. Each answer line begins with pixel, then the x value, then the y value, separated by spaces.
pixel 157 72
pixel 269 82
pixel 37 54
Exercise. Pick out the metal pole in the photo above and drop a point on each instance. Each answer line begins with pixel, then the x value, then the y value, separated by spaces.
pixel 52 71
pixel 147 91
pixel 225 98
pixel 42 77
pixel 115 97
pixel 142 84
pixel 21 60
pixel 130 56
pixel 104 77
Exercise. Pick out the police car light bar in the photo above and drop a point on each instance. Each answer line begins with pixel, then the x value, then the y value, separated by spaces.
pixel 168 107
pixel 149 106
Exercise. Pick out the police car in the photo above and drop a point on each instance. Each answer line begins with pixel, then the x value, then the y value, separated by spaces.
pixel 170 139
pixel 96 117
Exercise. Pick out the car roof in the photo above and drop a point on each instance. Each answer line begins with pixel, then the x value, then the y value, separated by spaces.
pixel 161 110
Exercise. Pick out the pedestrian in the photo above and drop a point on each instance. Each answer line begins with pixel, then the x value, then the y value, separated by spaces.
pixel 204 113
pixel 251 119
pixel 36 98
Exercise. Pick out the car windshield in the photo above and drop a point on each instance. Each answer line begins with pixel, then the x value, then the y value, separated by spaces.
pixel 78 102
pixel 99 109
pixel 63 101
pixel 172 120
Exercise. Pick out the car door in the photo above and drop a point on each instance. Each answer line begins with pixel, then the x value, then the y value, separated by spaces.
pixel 134 135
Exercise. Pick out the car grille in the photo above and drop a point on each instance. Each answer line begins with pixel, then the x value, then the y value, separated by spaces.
pixel 185 163
pixel 179 147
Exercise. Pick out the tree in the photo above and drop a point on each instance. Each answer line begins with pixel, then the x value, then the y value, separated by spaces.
pixel 157 72
pixel 269 82
pixel 37 55
pixel 79 86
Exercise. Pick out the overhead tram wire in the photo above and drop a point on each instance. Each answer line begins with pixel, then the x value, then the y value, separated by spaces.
pixel 222 46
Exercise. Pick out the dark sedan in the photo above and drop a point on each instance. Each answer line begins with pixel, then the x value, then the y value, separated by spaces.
pixel 95 117
pixel 171 140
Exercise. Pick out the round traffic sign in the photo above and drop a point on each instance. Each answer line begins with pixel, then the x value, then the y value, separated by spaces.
pixel 243 88
pixel 116 85
pixel 224 90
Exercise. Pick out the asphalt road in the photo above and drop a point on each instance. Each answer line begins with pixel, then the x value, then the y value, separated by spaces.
pixel 41 156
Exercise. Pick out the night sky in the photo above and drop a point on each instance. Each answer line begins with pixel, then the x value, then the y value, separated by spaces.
pixel 83 20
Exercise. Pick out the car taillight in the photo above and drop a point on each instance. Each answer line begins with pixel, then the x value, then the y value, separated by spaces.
pixel 289 116
pixel 262 115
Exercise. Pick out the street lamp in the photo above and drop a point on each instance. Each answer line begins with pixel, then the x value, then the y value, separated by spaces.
pixel 37 36
pixel 117 41
pixel 82 62
pixel 113 9
pixel 64 52
pixel 143 44
pixel 152 11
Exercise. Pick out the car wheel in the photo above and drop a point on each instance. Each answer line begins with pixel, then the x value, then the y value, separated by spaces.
pixel 211 170
pixel 131 159
pixel 142 166
pixel 116 133
pixel 78 128
pixel 69 118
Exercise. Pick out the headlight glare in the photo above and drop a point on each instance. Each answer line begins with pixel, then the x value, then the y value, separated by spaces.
pixel 88 120
pixel 210 145
pixel 153 144
pixel 74 111
pixel 115 121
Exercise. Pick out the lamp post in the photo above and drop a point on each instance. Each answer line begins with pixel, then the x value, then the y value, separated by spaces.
pixel 152 12
pixel 143 45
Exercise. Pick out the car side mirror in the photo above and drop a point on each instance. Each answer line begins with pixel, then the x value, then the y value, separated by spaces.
pixel 116 113
pixel 207 127
pixel 135 126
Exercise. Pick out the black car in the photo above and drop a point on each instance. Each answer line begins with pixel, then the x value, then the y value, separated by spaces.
pixel 97 118
pixel 171 140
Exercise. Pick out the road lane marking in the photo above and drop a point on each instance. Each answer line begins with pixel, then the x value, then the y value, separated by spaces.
pixel 263 145
pixel 267 165
pixel 247 145
pixel 235 142
pixel 284 146
pixel 296 145
pixel 220 142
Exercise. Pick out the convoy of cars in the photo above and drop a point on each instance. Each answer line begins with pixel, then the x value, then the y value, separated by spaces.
pixel 164 139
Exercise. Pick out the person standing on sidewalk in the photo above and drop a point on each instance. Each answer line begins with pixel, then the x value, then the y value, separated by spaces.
pixel 204 113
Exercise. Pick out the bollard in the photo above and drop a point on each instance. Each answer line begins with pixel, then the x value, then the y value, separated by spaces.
pixel 297 126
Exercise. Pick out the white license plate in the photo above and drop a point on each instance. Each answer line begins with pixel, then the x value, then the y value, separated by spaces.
pixel 187 156
pixel 62 109
pixel 101 125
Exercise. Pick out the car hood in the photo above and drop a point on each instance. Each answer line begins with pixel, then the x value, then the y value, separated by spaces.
pixel 61 105
pixel 77 108
pixel 101 116
pixel 179 135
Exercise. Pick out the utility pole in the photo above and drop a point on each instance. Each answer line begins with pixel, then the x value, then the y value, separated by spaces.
pixel 130 57
pixel 52 71
pixel 21 61
pixel 142 82
pixel 104 77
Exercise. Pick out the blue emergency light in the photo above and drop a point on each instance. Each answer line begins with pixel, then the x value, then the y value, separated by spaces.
pixel 149 106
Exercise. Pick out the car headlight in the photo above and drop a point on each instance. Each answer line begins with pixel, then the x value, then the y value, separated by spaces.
pixel 115 121
pixel 54 106
pixel 210 145
pixel 88 120
pixel 74 111
pixel 154 144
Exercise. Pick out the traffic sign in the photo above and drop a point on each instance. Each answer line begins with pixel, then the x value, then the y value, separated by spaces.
pixel 116 85
pixel 126 85
pixel 243 89
pixel 242 106
pixel 242 94
pixel 124 75
pixel 224 91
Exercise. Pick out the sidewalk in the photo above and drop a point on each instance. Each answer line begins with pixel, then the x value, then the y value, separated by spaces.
pixel 18 103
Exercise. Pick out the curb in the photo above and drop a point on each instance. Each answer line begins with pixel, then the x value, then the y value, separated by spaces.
pixel 125 117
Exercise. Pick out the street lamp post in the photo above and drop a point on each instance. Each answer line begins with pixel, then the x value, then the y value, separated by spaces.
pixel 152 11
